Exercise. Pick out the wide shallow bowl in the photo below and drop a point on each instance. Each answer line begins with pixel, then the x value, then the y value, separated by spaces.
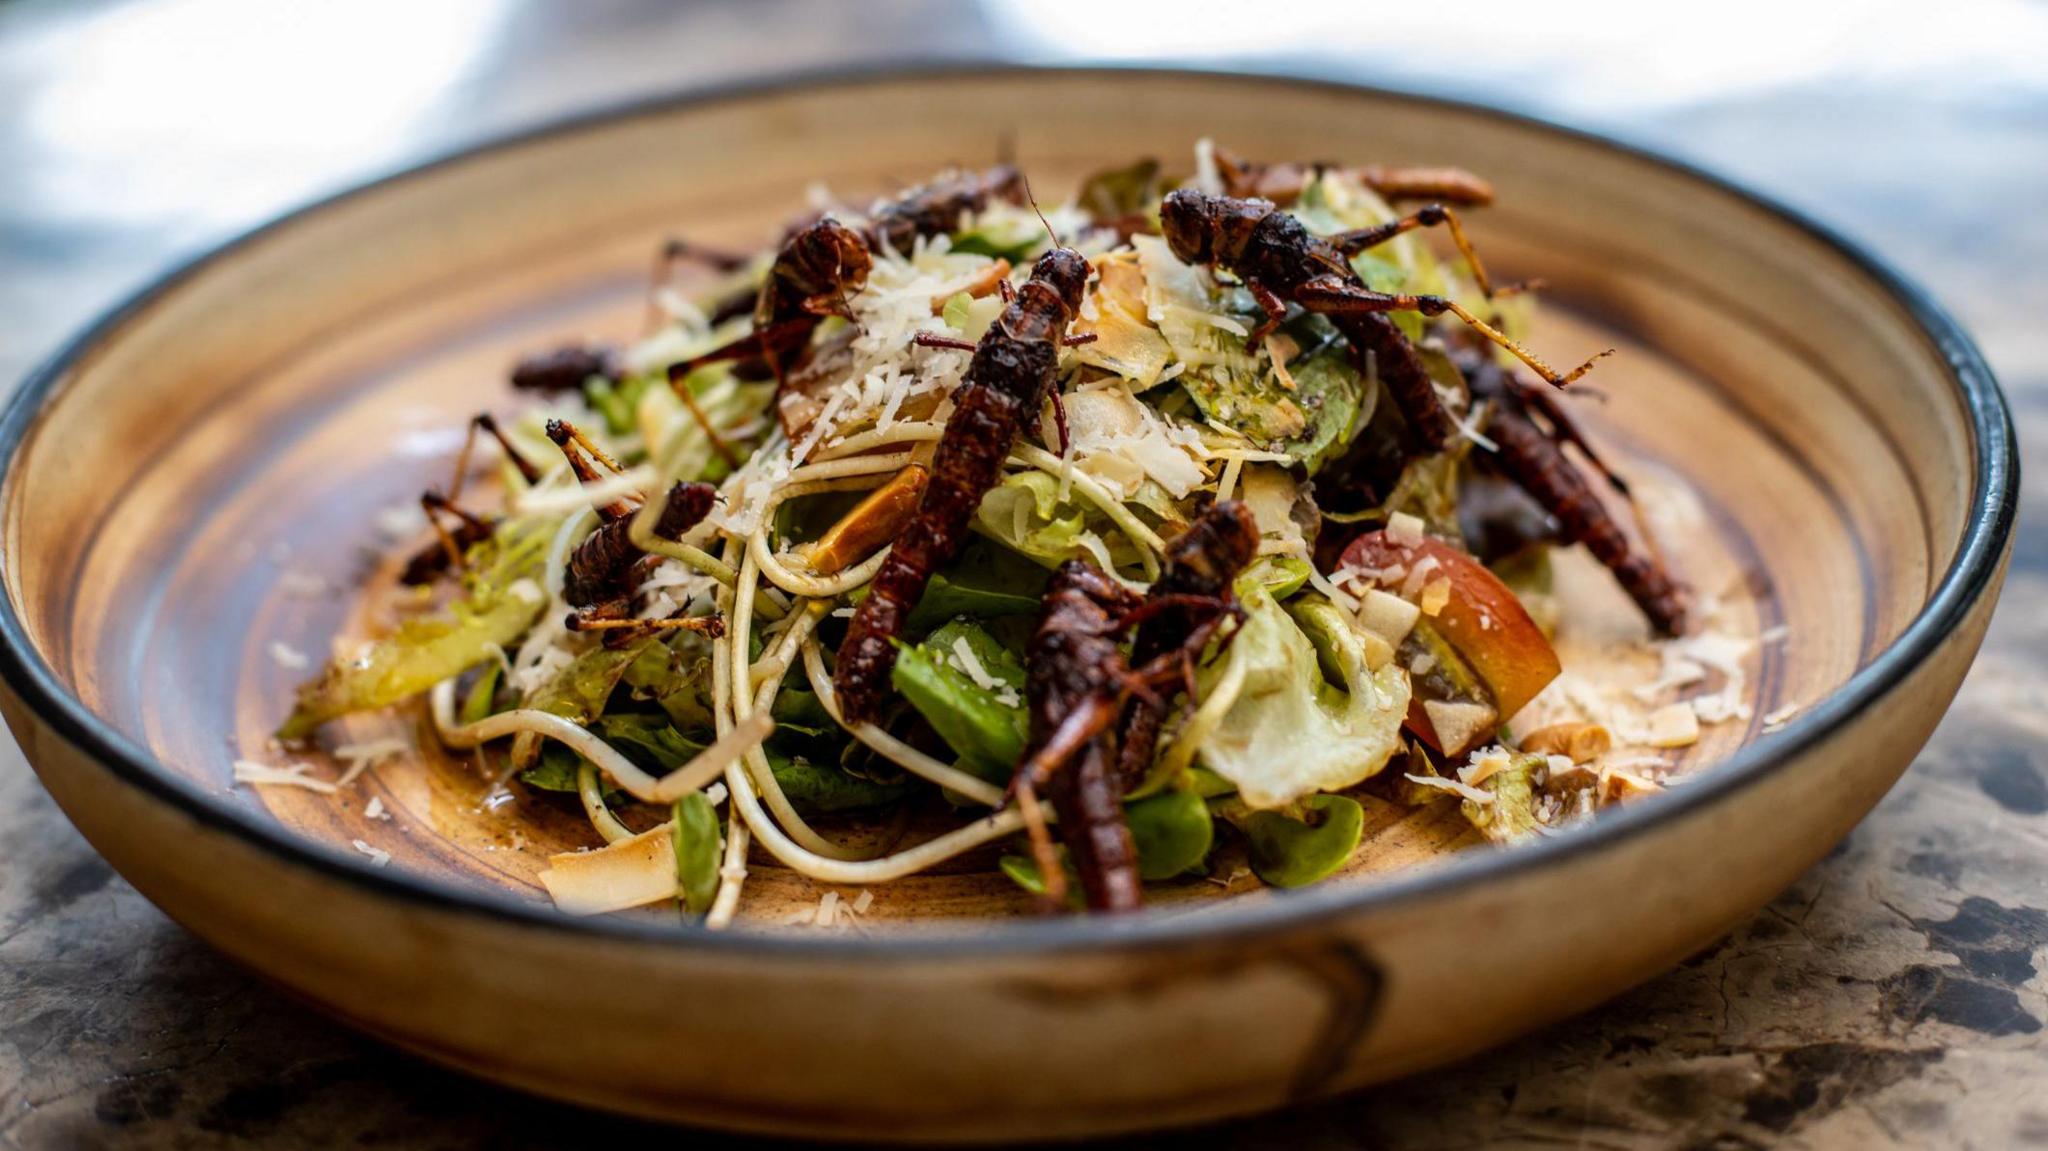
pixel 191 482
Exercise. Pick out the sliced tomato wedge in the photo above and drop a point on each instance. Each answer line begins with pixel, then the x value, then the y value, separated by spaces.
pixel 1480 617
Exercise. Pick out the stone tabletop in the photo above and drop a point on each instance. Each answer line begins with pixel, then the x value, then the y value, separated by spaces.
pixel 1893 997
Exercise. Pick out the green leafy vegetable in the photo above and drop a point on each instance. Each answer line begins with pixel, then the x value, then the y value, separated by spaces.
pixel 501 602
pixel 476 706
pixel 1173 832
pixel 694 830
pixel 986 582
pixel 1328 392
pixel 1023 872
pixel 1309 413
pixel 1208 784
pixel 555 771
pixel 1512 814
pixel 1290 852
pixel 1384 275
pixel 1289 732
pixel 612 403
pixel 824 789
pixel 977 722
pixel 1025 514
pixel 648 740
pixel 578 692
pixel 1281 576
pixel 799 712
pixel 1012 237
pixel 959 306
pixel 680 683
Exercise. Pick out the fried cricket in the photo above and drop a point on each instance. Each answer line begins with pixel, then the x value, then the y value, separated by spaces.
pixel 1006 383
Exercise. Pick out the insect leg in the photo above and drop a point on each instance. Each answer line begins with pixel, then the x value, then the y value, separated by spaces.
pixel 1273 309
pixel 1333 296
pixel 1353 242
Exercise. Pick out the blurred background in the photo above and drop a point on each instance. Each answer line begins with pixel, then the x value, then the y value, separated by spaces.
pixel 136 134
pixel 133 132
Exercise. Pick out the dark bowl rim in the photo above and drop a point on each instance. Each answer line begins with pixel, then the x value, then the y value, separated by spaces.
pixel 1972 574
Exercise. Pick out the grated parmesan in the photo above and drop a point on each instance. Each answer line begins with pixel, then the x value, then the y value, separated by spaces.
pixel 378 856
pixel 359 757
pixel 290 775
pixel 288 657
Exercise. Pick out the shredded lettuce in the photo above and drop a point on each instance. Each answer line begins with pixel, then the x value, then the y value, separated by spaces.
pixel 1025 514
pixel 1512 814
pixel 1291 732
pixel 1311 412
pixel 500 602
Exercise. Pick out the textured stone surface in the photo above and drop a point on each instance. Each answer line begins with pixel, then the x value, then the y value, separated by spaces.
pixel 1893 997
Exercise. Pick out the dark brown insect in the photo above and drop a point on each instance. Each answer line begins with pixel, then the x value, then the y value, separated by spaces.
pixel 1529 429
pixel 1280 261
pixel 1284 183
pixel 935 209
pixel 1077 681
pixel 605 569
pixel 450 545
pixel 564 369
pixel 1079 685
pixel 1005 385
pixel 1200 565
pixel 823 263
pixel 820 267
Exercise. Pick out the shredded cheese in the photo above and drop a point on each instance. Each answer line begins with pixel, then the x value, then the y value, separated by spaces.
pixel 359 757
pixel 290 775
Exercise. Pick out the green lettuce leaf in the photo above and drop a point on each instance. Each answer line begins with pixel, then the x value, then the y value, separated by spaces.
pixel 1290 732
pixel 978 723
pixel 1025 514
pixel 500 602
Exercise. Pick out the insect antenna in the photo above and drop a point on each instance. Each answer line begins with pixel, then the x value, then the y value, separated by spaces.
pixel 1035 210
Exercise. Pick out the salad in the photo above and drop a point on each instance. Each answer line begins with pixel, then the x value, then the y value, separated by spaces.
pixel 1112 545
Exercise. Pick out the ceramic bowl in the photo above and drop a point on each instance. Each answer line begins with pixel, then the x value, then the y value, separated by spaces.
pixel 190 484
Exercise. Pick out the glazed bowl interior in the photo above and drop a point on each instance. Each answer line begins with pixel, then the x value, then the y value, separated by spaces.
pixel 196 486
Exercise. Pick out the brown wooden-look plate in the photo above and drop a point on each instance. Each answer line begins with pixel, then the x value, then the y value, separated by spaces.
pixel 194 480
